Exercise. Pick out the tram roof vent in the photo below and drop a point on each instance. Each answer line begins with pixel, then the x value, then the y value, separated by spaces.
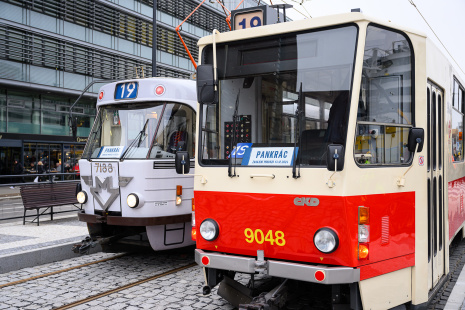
pixel 358 10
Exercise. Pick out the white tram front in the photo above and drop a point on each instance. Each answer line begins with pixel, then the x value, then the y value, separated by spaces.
pixel 128 181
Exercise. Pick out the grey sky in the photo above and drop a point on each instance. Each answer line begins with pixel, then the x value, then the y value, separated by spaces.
pixel 445 17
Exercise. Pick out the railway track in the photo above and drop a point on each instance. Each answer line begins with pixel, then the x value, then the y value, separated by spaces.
pixel 124 287
pixel 91 281
pixel 167 275
pixel 60 271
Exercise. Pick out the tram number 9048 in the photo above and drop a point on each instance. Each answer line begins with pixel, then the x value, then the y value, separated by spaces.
pixel 260 237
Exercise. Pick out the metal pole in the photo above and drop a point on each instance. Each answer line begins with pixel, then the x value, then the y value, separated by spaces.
pixel 154 40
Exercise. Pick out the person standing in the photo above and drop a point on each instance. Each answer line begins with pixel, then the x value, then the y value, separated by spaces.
pixel 40 170
pixel 17 170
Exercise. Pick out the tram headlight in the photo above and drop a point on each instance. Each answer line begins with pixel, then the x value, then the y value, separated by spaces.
pixel 209 230
pixel 81 197
pixel 132 200
pixel 326 240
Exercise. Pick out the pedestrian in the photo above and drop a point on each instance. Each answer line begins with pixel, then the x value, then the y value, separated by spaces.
pixel 18 169
pixel 40 170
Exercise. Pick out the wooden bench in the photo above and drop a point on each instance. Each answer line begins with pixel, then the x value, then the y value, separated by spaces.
pixel 47 195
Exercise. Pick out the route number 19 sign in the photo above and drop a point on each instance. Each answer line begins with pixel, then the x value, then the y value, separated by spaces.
pixel 245 20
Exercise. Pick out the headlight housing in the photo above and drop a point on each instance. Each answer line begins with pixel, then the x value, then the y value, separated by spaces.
pixel 209 230
pixel 81 197
pixel 326 240
pixel 132 200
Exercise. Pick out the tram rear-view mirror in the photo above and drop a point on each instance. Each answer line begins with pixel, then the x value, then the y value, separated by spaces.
pixel 335 153
pixel 416 136
pixel 206 93
pixel 182 162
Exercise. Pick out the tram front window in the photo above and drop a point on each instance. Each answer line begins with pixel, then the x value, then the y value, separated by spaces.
pixel 384 114
pixel 280 95
pixel 138 131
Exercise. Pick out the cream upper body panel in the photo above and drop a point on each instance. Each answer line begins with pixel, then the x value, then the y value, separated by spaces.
pixel 354 179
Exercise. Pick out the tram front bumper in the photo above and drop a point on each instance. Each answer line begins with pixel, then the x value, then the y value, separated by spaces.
pixel 133 221
pixel 288 270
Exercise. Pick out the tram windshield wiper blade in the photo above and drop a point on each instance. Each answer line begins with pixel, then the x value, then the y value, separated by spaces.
pixel 142 133
pixel 298 114
pixel 94 135
pixel 137 138
pixel 232 174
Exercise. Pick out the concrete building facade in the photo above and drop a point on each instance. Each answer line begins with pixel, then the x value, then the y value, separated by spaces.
pixel 51 49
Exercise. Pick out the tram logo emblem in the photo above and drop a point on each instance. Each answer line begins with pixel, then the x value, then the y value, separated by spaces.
pixel 105 185
pixel 306 201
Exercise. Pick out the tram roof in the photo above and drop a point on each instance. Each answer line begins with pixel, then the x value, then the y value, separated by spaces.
pixel 176 90
pixel 301 25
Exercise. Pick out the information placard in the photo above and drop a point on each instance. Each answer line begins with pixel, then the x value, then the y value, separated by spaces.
pixel 111 152
pixel 269 156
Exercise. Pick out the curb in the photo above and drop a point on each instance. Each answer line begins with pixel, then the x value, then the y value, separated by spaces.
pixel 4 196
pixel 40 256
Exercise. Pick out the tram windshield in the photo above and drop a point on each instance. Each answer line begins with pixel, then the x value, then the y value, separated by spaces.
pixel 142 130
pixel 280 96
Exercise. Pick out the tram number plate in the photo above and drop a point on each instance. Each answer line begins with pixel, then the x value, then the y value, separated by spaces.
pixel 103 168
pixel 248 20
pixel 126 90
pixel 260 237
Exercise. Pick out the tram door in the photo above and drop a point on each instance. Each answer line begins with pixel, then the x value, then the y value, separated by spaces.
pixel 435 190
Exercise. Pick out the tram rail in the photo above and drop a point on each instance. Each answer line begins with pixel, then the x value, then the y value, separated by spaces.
pixel 61 271
pixel 124 287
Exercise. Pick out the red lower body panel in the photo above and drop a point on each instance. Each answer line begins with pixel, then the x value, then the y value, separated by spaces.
pixel 283 226
pixel 456 208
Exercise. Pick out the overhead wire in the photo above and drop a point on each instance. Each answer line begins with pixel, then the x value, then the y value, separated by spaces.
pixel 302 4
pixel 418 10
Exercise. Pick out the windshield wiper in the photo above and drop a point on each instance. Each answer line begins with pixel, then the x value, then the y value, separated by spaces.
pixel 298 114
pixel 233 141
pixel 94 134
pixel 142 133
pixel 137 138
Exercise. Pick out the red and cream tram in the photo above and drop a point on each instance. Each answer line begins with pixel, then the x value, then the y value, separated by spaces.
pixel 330 151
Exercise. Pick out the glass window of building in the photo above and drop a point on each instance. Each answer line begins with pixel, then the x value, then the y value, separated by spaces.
pixel 2 110
pixel 23 113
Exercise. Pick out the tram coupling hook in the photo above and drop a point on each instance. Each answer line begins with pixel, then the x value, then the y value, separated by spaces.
pixel 85 246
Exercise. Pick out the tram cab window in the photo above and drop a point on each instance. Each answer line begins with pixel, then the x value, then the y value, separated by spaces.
pixel 457 121
pixel 143 130
pixel 384 114
pixel 260 83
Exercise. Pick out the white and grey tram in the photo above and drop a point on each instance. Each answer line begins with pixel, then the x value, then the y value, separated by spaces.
pixel 129 186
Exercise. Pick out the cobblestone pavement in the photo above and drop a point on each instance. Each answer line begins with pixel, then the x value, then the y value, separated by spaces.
pixel 181 290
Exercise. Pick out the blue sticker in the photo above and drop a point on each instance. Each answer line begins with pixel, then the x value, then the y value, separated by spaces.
pixel 240 150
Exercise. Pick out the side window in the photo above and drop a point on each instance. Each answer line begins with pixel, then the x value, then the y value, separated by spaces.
pixel 457 121
pixel 176 132
pixel 385 105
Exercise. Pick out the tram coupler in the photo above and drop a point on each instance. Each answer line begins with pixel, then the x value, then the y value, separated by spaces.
pixel 85 246
pixel 273 300
pixel 206 290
